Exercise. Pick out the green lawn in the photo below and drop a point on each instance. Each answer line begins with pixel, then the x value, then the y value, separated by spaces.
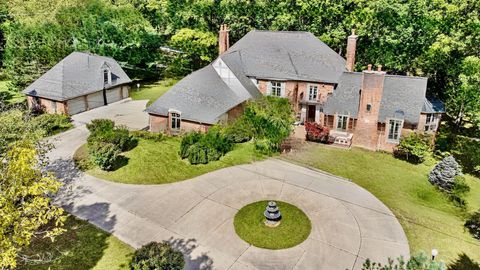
pixel 14 97
pixel 152 91
pixel 83 246
pixel 294 226
pixel 159 163
pixel 429 219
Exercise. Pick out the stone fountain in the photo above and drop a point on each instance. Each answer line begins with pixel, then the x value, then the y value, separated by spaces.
pixel 272 215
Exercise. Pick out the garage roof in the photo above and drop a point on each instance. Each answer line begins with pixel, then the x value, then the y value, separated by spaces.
pixel 76 75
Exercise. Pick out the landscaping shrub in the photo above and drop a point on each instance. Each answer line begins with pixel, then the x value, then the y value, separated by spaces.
pixel 447 176
pixel 270 118
pixel 188 140
pixel 147 135
pixel 52 123
pixel 201 148
pixel 100 125
pixel 413 148
pixel 420 261
pixel 265 146
pixel 104 155
pixel 240 131
pixel 473 224
pixel 105 131
pixel 444 173
pixel 157 256
pixel 316 132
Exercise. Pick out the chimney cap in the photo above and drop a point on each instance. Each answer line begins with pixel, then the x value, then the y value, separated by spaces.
pixel 369 67
pixel 379 68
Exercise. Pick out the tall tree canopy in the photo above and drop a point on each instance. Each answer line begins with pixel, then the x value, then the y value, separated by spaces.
pixel 414 37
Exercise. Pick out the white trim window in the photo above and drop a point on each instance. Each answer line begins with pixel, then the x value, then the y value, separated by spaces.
pixel 430 122
pixel 394 129
pixel 175 120
pixel 342 121
pixel 276 89
pixel 312 92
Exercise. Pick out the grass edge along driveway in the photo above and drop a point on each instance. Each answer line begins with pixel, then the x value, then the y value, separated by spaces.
pixel 153 162
pixel 428 218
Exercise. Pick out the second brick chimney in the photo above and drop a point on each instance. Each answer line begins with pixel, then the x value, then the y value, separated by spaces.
pixel 223 39
pixel 351 48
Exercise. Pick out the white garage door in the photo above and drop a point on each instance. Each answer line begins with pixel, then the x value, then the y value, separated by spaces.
pixel 125 91
pixel 113 95
pixel 95 100
pixel 76 105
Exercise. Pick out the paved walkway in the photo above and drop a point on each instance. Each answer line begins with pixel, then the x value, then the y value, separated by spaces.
pixel 348 223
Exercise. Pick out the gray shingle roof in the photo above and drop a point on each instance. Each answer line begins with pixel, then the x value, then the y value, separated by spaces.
pixel 288 55
pixel 401 95
pixel 76 75
pixel 433 105
pixel 202 97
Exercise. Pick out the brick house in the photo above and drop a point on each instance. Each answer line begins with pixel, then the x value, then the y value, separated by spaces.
pixel 79 82
pixel 370 109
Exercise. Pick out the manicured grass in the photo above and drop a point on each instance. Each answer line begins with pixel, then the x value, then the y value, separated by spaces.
pixel 294 226
pixel 152 91
pixel 428 217
pixel 15 96
pixel 159 163
pixel 83 246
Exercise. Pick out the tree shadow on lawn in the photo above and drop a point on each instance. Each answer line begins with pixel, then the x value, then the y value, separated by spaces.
pixel 463 263
pixel 82 246
pixel 200 262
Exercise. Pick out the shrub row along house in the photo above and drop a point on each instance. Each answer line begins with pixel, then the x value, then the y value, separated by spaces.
pixel 80 82
pixel 370 109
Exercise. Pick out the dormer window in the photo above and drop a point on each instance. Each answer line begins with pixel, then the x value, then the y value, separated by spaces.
pixel 105 76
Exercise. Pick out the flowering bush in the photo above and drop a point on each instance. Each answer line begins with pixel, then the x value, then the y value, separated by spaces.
pixel 317 132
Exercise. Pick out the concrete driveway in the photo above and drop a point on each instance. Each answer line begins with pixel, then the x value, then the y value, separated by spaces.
pixel 128 112
pixel 348 223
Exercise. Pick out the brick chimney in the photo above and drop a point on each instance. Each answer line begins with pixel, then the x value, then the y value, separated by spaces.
pixel 223 39
pixel 366 130
pixel 351 48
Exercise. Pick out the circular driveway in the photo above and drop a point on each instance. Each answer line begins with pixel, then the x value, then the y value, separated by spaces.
pixel 348 223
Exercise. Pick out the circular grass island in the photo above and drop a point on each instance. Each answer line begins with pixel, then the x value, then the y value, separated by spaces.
pixel 294 227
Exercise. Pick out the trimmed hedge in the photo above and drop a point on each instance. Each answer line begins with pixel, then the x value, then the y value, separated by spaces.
pixel 157 256
pixel 147 135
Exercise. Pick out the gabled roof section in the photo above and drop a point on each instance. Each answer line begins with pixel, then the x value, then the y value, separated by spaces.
pixel 202 97
pixel 284 55
pixel 401 95
pixel 76 75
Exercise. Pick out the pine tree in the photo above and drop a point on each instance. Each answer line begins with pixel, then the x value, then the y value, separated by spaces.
pixel 444 173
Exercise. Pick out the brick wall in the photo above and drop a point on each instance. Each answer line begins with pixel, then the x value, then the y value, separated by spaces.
pixel 50 106
pixel 160 123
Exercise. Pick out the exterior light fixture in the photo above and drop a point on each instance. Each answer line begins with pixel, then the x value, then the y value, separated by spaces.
pixel 434 253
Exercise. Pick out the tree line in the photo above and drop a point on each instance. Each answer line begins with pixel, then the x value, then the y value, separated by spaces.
pixel 437 39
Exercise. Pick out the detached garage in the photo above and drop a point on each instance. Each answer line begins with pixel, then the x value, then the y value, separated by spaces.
pixel 78 83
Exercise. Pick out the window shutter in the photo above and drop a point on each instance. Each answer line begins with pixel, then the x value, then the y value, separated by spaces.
pixel 282 90
pixel 269 88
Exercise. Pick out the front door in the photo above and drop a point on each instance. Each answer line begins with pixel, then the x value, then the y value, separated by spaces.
pixel 311 113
